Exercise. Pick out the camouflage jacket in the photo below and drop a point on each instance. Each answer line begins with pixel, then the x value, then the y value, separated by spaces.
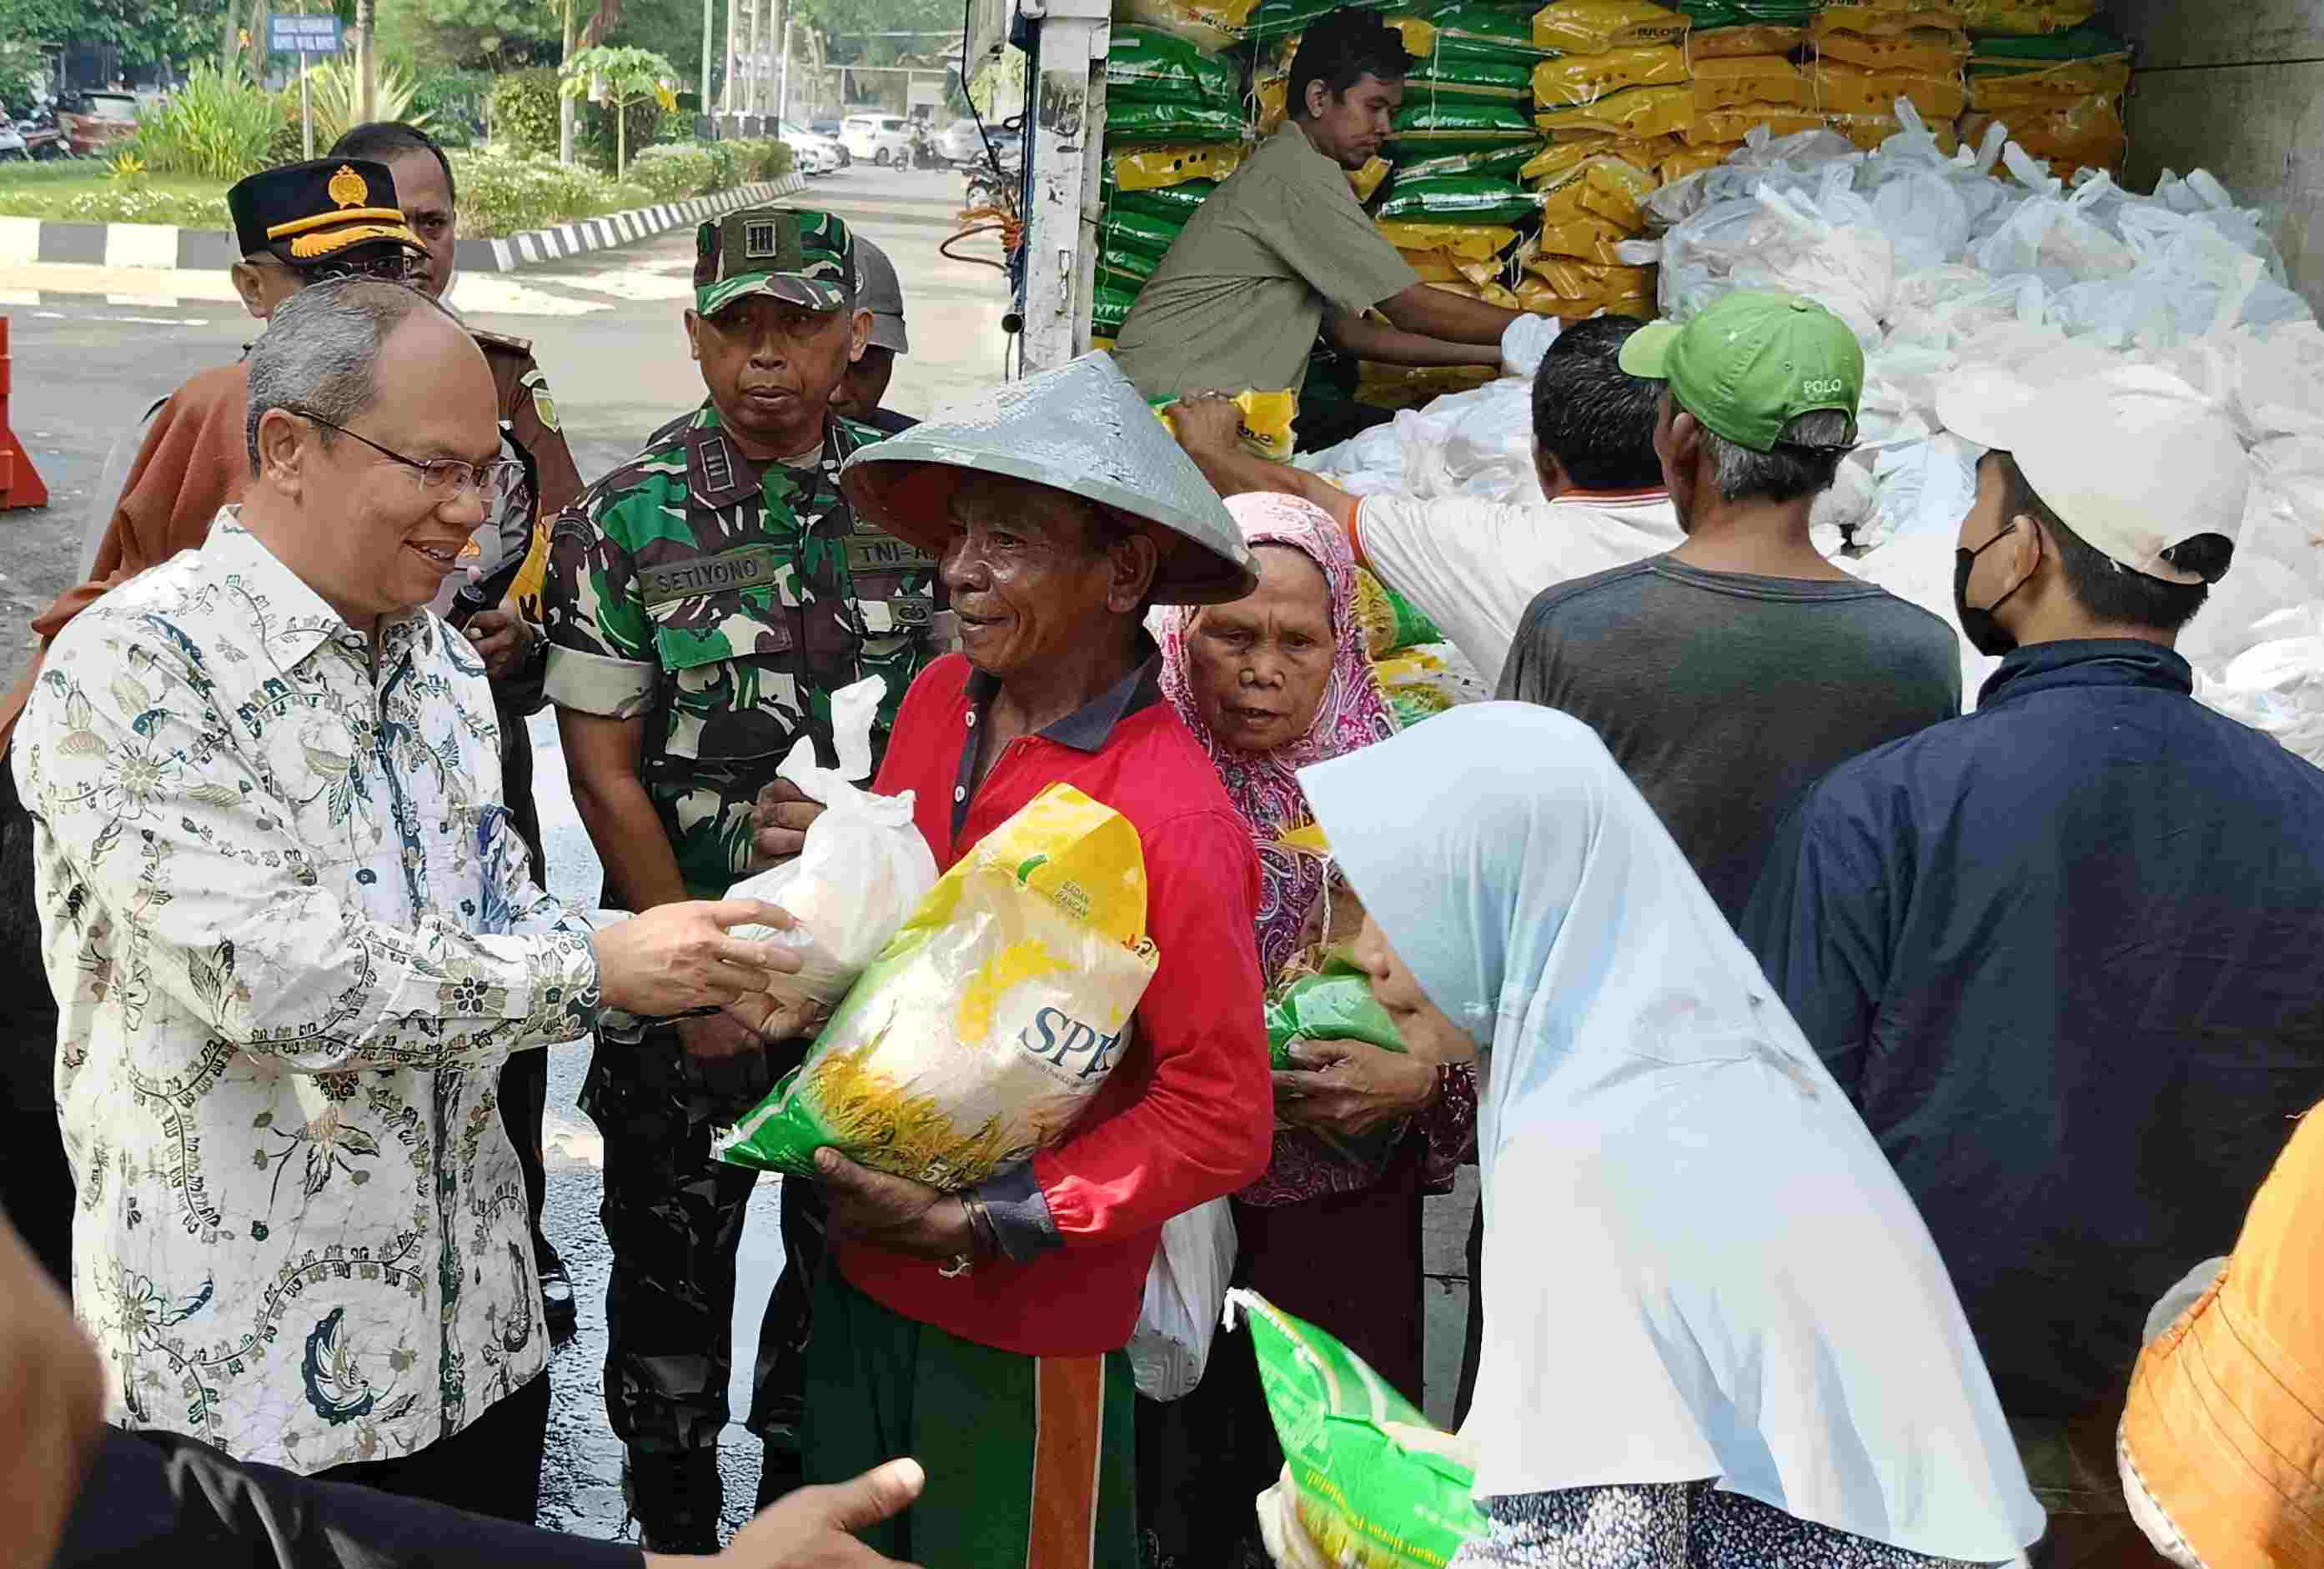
pixel 725 603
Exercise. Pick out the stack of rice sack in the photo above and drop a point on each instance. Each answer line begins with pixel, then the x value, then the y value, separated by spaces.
pixel 1745 58
pixel 1868 56
pixel 2060 93
pixel 1615 95
pixel 1173 130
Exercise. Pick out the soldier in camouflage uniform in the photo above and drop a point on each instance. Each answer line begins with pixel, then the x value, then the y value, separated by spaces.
pixel 703 603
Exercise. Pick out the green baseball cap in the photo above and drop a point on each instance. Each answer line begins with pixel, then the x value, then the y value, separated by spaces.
pixel 1751 362
pixel 794 254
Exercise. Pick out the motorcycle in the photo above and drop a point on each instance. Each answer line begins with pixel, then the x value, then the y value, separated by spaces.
pixel 924 152
pixel 40 134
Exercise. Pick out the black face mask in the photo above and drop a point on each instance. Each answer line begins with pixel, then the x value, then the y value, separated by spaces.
pixel 1984 634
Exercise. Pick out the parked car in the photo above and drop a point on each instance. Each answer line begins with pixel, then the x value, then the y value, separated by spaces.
pixel 880 139
pixel 825 128
pixel 98 120
pixel 962 142
pixel 816 154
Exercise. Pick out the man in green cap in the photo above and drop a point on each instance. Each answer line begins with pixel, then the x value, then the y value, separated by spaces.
pixel 702 604
pixel 1732 672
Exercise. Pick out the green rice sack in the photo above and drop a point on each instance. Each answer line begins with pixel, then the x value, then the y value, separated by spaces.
pixel 1126 229
pixel 1449 125
pixel 1475 30
pixel 1173 204
pixel 1452 76
pixel 1128 271
pixel 1181 122
pixel 1458 199
pixel 1506 162
pixel 1335 1005
pixel 1109 308
pixel 1145 65
pixel 1375 1486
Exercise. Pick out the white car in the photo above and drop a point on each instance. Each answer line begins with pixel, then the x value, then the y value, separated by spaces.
pixel 881 139
pixel 816 154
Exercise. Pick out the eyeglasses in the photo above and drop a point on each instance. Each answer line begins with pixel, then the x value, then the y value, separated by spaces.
pixel 397 267
pixel 440 479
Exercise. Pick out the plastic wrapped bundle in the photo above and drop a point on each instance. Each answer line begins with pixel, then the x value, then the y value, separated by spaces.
pixel 1595 26
pixel 1461 199
pixel 2060 95
pixel 1209 24
pixel 1425 130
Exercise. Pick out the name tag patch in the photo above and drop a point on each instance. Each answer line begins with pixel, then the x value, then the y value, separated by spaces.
pixel 872 552
pixel 750 567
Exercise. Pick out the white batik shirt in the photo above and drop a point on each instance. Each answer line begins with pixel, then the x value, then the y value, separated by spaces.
pixel 292 934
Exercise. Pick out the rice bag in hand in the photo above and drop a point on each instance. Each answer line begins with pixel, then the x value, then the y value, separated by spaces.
pixel 980 1033
pixel 1373 1485
pixel 863 871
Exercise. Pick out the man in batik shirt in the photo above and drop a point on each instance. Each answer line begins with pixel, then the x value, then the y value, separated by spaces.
pixel 292 937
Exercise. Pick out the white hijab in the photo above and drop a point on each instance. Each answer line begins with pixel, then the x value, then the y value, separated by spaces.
pixel 1698 1264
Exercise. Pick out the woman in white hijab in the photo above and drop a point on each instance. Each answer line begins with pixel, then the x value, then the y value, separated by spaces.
pixel 1716 1332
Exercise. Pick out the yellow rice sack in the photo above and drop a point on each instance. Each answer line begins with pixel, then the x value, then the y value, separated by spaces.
pixel 1641 112
pixel 1469 241
pixel 1869 131
pixel 1210 25
pixel 1929 41
pixel 1603 187
pixel 2024 18
pixel 1995 91
pixel 1756 38
pixel 1266 420
pixel 1695 159
pixel 2086 133
pixel 1560 286
pixel 1157 168
pixel 1594 26
pixel 1729 127
pixel 981 1031
pixel 1587 238
pixel 1549 166
pixel 1366 181
pixel 1584 79
pixel 1727 81
pixel 1489 292
pixel 1444 266
pixel 1843 89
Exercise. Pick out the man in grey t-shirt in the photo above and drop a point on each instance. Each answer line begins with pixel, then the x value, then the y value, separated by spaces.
pixel 1729 676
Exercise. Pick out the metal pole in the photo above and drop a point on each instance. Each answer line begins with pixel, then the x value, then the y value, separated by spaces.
pixel 702 93
pixel 726 89
pixel 306 96
pixel 783 81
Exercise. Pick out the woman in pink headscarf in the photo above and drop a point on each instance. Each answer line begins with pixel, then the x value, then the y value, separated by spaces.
pixel 1269 685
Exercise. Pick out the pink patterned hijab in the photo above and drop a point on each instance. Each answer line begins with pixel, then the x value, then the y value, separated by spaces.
pixel 1352 714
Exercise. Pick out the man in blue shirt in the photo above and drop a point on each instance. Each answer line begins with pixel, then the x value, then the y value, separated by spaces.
pixel 2062 953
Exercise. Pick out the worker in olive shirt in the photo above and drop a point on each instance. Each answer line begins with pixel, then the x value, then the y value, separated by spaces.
pixel 1283 247
pixel 703 603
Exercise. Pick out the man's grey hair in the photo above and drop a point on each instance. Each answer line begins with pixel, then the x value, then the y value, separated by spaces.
pixel 319 354
pixel 1805 462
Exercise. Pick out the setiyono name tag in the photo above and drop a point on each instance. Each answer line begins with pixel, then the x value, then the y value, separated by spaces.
pixel 752 566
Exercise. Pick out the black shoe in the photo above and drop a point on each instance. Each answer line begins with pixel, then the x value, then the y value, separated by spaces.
pixel 674 1499
pixel 556 1300
pixel 780 1471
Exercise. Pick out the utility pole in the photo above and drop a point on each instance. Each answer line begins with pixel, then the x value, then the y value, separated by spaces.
pixel 766 57
pixel 566 107
pixel 726 89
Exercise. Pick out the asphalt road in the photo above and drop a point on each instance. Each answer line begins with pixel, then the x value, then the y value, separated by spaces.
pixel 607 329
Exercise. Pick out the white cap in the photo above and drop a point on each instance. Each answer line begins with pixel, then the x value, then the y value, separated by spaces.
pixel 2135 461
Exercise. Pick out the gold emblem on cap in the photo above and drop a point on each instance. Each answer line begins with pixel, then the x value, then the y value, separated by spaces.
pixel 348 187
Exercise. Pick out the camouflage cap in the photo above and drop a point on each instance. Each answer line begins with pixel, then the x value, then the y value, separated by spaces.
pixel 793 254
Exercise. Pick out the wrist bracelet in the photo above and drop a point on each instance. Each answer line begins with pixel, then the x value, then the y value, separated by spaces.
pixel 983 1235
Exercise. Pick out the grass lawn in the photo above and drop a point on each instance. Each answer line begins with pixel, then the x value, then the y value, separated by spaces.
pixel 497 197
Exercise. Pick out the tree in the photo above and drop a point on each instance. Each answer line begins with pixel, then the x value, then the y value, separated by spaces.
pixel 147 32
pixel 625 77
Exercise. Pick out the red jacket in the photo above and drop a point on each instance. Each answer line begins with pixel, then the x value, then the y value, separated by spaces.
pixel 1189 1113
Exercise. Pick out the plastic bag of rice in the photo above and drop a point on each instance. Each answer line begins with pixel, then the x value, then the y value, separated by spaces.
pixel 1372 1484
pixel 984 1028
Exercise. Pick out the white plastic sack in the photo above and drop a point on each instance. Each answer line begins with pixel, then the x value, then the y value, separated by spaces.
pixel 1186 1296
pixel 863 869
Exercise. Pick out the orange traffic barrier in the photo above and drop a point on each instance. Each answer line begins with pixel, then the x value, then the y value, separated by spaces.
pixel 20 481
